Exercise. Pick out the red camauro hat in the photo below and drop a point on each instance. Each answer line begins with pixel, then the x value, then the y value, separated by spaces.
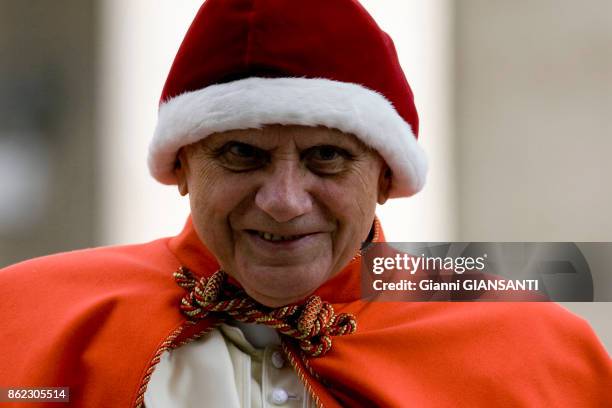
pixel 244 64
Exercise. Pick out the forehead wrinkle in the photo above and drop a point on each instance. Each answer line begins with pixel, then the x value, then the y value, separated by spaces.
pixel 312 136
pixel 270 137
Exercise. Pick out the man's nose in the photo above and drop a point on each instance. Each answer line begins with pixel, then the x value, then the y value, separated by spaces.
pixel 284 194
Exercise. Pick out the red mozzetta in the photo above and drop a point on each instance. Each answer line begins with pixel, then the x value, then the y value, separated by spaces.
pixel 97 320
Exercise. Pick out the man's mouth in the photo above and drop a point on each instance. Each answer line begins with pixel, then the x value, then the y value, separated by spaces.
pixel 268 236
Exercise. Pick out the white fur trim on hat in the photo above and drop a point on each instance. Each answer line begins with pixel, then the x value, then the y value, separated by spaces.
pixel 254 102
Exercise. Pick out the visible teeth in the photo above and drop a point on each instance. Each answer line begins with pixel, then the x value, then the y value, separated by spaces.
pixel 273 237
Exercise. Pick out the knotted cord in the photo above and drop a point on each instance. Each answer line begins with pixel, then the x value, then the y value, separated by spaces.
pixel 311 324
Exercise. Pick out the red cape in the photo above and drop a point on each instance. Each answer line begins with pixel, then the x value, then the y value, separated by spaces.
pixel 97 321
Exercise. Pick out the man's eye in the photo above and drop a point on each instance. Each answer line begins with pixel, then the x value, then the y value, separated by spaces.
pixel 326 159
pixel 242 150
pixel 325 153
pixel 242 157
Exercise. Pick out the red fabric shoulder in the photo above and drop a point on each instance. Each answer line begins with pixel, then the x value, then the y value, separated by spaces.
pixel 469 354
pixel 90 320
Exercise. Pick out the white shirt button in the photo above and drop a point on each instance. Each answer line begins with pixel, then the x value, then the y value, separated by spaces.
pixel 278 360
pixel 279 396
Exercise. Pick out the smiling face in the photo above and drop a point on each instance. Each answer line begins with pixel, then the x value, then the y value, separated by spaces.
pixel 283 208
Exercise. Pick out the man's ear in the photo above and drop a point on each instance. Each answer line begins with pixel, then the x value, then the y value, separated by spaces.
pixel 384 184
pixel 180 168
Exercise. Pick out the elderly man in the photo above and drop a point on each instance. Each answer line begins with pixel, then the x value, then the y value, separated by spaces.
pixel 285 122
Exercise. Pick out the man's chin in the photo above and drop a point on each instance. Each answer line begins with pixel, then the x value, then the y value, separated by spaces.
pixel 276 286
pixel 274 302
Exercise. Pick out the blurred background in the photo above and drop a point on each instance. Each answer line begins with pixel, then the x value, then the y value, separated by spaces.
pixel 515 100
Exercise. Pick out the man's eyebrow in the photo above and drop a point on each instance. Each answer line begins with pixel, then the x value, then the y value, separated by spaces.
pixel 338 142
pixel 241 137
pixel 259 140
